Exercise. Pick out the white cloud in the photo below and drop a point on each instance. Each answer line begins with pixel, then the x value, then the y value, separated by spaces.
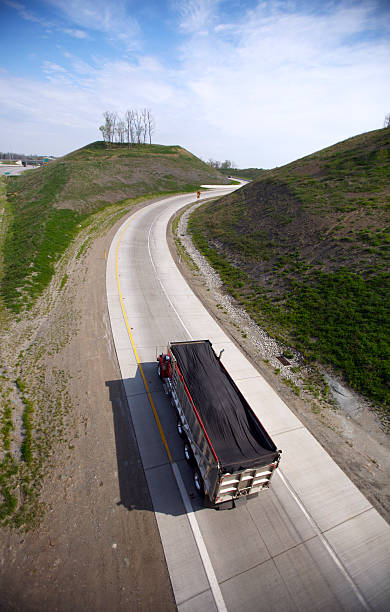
pixel 70 104
pixel 111 18
pixel 196 16
pixel 263 91
pixel 26 13
pixel 286 84
pixel 51 67
pixel 81 34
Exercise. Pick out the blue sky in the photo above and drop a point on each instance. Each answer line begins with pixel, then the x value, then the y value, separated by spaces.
pixel 258 82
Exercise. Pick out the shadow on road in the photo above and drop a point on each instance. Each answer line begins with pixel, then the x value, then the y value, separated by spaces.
pixel 146 478
pixel 134 491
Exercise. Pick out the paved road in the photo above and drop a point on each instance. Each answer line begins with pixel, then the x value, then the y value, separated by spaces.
pixel 13 170
pixel 313 541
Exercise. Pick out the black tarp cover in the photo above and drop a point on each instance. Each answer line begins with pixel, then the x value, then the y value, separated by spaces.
pixel 238 438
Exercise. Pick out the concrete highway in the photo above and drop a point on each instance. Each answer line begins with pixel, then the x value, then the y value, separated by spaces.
pixel 12 170
pixel 311 542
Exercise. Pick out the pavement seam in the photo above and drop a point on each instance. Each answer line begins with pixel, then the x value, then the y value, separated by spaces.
pixel 324 541
pixel 348 519
pixel 206 561
pixel 185 601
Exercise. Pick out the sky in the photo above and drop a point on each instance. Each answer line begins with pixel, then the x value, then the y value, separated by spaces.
pixel 260 83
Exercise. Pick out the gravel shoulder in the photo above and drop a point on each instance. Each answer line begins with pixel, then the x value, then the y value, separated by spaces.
pixel 92 549
pixel 344 423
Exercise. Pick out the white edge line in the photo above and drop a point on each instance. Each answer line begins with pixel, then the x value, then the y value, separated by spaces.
pixel 325 542
pixel 204 555
pixel 192 518
pixel 162 286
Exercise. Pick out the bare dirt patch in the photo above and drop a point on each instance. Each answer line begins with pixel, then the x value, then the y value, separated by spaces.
pixel 93 549
pixel 345 424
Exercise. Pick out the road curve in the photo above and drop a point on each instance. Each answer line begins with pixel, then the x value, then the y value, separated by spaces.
pixel 313 541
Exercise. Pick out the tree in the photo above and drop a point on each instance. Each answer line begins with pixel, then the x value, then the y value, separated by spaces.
pixel 214 163
pixel 150 124
pixel 139 126
pixel 387 121
pixel 129 119
pixel 226 164
pixel 121 131
pixel 108 129
pixel 105 134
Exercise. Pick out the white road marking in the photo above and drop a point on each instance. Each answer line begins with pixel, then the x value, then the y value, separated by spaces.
pixel 162 286
pixel 204 555
pixel 192 519
pixel 324 541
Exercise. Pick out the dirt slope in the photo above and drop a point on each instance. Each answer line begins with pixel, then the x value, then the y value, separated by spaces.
pixel 306 249
pixel 92 550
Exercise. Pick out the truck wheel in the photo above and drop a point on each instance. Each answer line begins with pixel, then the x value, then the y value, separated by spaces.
pixel 199 484
pixel 188 454
pixel 180 429
pixel 159 371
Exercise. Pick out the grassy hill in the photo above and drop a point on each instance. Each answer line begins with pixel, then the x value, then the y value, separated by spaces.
pixel 306 249
pixel 48 206
pixel 249 174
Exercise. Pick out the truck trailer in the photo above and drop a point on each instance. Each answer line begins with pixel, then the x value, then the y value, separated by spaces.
pixel 232 456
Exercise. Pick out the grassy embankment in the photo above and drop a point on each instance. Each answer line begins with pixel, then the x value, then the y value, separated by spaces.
pixel 306 250
pixel 72 199
pixel 249 174
pixel 49 206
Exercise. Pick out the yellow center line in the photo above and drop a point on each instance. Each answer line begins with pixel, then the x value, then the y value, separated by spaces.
pixel 160 429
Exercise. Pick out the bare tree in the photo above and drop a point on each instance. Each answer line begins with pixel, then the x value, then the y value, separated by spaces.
pixel 221 165
pixel 129 119
pixel 150 124
pixel 214 163
pixel 138 126
pixel 387 121
pixel 105 133
pixel 108 129
pixel 120 131
pixel 144 114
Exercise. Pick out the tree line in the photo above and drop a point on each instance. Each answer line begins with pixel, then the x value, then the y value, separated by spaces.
pixel 136 127
pixel 221 165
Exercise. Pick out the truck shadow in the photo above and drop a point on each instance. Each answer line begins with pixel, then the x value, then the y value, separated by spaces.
pixel 134 491
pixel 145 473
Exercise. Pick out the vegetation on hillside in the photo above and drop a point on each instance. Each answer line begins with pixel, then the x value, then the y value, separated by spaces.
pixel 306 249
pixel 47 207
pixel 248 174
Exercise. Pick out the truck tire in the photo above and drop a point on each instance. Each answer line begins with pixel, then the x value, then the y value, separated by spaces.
pixel 159 371
pixel 180 429
pixel 188 454
pixel 199 484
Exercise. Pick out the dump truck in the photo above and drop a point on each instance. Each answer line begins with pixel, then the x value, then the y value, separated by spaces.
pixel 232 456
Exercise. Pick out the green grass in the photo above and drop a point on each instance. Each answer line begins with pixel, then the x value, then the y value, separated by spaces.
pixel 7 425
pixel 306 250
pixel 8 470
pixel 344 319
pixel 46 208
pixel 37 236
pixel 247 174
